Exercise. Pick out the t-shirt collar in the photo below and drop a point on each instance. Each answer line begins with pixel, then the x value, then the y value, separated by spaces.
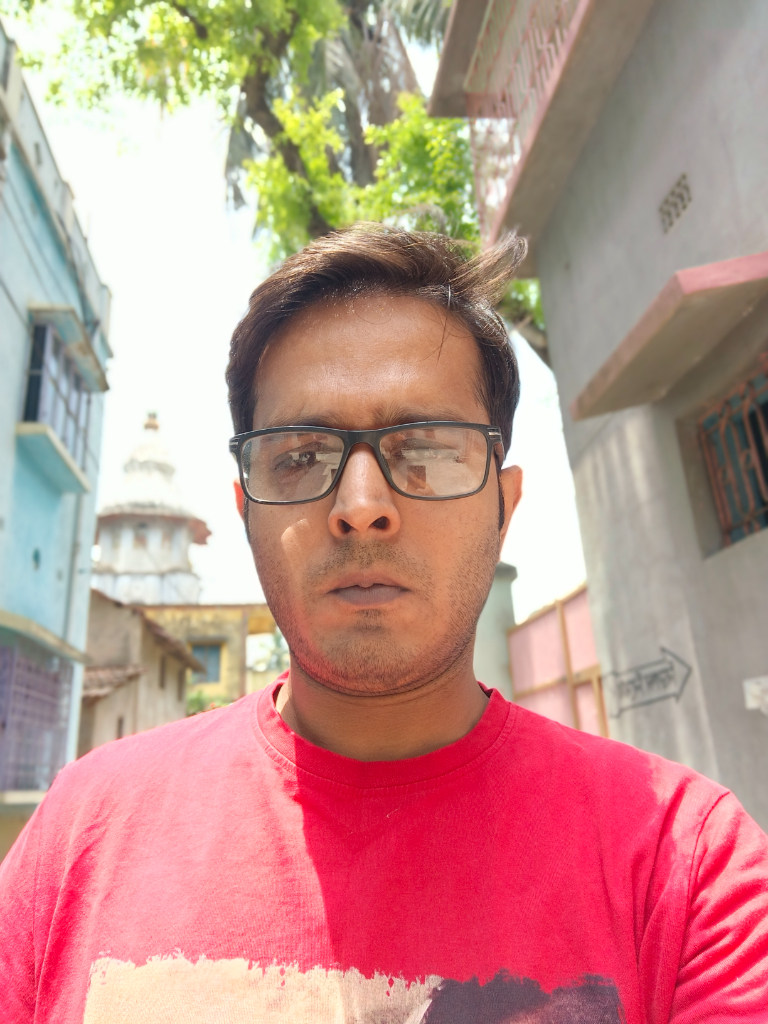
pixel 299 756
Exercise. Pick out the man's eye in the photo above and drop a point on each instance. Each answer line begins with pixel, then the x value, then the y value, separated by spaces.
pixel 296 460
pixel 305 458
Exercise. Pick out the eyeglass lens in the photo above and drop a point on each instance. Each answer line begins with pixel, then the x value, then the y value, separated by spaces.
pixel 427 462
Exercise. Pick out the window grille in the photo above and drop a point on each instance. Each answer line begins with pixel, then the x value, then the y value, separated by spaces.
pixel 34 709
pixel 56 393
pixel 734 438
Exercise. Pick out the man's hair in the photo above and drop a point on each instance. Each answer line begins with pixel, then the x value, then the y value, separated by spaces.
pixel 369 258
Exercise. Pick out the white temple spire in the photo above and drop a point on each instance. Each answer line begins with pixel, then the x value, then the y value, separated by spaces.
pixel 144 535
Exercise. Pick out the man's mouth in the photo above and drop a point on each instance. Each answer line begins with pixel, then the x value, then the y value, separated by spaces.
pixel 368 591
pixel 377 593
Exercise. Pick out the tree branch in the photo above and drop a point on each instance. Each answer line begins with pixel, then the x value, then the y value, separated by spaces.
pixel 254 90
pixel 200 30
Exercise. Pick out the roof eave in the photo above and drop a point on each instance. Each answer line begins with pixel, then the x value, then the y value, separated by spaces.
pixel 448 98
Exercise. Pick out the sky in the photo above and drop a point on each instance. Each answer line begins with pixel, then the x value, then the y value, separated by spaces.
pixel 150 194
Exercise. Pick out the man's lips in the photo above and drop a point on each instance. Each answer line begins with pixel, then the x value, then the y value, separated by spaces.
pixel 377 593
pixel 365 589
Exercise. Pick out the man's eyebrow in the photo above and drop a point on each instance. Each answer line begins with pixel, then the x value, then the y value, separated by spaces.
pixel 377 418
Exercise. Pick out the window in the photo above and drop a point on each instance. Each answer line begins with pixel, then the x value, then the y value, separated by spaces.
pixel 734 438
pixel 35 691
pixel 120 727
pixel 163 665
pixel 56 393
pixel 140 535
pixel 181 679
pixel 208 655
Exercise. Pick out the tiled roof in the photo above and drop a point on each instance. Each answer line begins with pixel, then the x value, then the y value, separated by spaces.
pixel 101 680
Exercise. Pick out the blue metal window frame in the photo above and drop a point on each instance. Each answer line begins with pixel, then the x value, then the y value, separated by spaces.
pixel 57 394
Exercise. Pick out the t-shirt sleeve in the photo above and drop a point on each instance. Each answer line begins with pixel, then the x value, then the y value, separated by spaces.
pixel 17 925
pixel 723 973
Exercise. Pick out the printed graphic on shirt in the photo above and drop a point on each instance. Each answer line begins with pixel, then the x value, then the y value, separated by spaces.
pixel 173 990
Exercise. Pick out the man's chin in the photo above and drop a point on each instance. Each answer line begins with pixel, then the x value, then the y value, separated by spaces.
pixel 367 669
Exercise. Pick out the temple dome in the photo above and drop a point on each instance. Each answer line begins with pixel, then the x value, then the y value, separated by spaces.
pixel 148 486
pixel 145 534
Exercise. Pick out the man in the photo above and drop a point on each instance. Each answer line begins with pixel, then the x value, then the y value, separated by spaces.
pixel 377 839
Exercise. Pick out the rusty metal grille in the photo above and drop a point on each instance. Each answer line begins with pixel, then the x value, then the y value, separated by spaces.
pixel 518 50
pixel 734 438
pixel 34 703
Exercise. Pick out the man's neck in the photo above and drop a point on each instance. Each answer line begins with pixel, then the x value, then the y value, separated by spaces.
pixel 383 728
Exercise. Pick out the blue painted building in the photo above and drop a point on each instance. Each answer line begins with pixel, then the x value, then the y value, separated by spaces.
pixel 54 319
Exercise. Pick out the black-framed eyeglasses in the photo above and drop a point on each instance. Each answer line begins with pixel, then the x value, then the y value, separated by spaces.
pixel 432 461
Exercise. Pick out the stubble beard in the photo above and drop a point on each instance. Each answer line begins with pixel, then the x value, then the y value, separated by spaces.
pixel 372 659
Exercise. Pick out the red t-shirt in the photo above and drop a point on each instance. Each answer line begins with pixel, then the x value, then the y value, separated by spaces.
pixel 221 869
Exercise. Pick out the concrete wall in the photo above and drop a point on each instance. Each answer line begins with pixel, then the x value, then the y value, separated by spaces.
pixel 691 99
pixel 114 633
pixel 142 704
pixel 491 656
pixel 120 636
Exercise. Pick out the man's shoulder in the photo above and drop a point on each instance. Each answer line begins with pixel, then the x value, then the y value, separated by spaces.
pixel 136 765
pixel 612 777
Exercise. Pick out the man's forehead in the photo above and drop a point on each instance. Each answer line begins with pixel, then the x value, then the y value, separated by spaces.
pixel 352 321
pixel 382 359
pixel 378 414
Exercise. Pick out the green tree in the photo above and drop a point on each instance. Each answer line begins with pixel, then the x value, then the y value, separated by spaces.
pixel 327 123
pixel 267 63
pixel 422 178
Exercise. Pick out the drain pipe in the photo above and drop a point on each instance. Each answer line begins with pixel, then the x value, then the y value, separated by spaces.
pixel 76 692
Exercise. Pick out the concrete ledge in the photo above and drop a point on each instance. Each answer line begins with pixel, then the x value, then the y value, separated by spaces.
pixel 693 312
pixel 40 635
pixel 20 798
pixel 448 98
pixel 49 455
pixel 78 345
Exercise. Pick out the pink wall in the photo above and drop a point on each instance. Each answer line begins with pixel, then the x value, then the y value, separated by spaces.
pixel 537 657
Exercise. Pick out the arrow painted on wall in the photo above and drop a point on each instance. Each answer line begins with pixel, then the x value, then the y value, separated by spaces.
pixel 646 684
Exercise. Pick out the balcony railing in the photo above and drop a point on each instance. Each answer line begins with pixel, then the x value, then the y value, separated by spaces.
pixel 34 704
pixel 516 56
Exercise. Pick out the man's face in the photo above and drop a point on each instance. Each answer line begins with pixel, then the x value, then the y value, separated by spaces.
pixel 376 593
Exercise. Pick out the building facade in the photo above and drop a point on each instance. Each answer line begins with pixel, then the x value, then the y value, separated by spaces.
pixel 627 141
pixel 136 677
pixel 217 635
pixel 54 323
pixel 144 537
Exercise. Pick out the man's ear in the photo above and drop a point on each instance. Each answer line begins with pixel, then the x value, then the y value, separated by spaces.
pixel 511 484
pixel 242 507
pixel 239 498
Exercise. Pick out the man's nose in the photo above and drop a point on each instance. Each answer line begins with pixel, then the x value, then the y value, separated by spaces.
pixel 363 498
